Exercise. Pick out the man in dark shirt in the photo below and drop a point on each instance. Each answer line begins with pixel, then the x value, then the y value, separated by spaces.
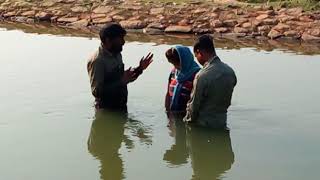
pixel 108 78
pixel 212 89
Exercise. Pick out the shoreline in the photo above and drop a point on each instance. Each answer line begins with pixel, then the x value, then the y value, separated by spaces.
pixel 230 21
pixel 284 45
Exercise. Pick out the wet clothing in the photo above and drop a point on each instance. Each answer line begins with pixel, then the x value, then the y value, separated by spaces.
pixel 211 95
pixel 181 81
pixel 184 94
pixel 105 72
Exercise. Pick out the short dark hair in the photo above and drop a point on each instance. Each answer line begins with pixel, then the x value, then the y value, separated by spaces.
pixel 111 31
pixel 204 43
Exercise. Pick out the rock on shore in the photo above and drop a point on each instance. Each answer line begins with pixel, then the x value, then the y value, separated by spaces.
pixel 158 18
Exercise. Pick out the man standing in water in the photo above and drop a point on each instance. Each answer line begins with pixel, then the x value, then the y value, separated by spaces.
pixel 212 89
pixel 108 78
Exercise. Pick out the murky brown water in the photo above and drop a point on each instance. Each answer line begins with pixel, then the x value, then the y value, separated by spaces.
pixel 49 130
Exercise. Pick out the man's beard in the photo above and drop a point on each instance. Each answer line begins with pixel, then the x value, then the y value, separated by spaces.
pixel 116 49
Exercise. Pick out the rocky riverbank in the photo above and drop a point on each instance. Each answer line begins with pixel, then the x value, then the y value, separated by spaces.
pixel 235 21
pixel 284 45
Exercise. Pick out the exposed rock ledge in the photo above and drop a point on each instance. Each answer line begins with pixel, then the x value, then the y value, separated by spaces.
pixel 260 22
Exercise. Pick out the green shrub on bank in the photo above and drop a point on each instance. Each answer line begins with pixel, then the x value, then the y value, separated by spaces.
pixel 305 4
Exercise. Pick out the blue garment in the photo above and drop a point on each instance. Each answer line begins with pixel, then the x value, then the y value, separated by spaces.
pixel 188 68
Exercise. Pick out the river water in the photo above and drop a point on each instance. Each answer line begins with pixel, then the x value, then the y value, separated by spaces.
pixel 49 129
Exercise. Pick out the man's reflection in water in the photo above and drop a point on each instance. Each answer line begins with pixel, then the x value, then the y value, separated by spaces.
pixel 105 139
pixel 210 150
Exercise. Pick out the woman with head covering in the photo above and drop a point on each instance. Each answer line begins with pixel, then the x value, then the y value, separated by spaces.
pixel 181 78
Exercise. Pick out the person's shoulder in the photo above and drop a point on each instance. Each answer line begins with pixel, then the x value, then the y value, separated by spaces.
pixel 228 69
pixel 95 58
pixel 201 76
pixel 202 73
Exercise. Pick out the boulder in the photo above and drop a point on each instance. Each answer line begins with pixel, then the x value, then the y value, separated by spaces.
pixel 133 24
pixel 29 13
pixel 30 20
pixel 118 18
pixel 230 23
pixel 152 31
pixel 79 9
pixel 198 30
pixel 285 18
pixel 184 22
pixel 264 28
pixel 267 12
pixel 294 11
pixel 20 19
pixel 273 34
pixel 156 26
pixel 292 34
pixel 262 17
pixel 156 11
pixel 305 19
pixel 200 10
pixel 81 23
pixel 43 16
pixel 9 14
pixel 67 19
pixel 281 27
pixel 242 20
pixel 309 38
pixel 246 25
pixel 270 21
pixel 234 35
pixel 47 4
pixel 221 30
pixel 95 16
pixel 102 20
pixel 240 30
pixel 315 32
pixel 213 15
pixel 178 29
pixel 103 9
pixel 216 23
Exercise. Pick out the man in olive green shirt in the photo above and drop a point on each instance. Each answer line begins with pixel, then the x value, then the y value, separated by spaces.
pixel 108 78
pixel 212 89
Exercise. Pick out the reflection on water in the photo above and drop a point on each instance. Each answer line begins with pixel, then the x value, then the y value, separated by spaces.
pixel 285 45
pixel 210 150
pixel 105 139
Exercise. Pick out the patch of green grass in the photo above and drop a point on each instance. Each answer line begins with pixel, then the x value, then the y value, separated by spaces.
pixel 175 1
pixel 305 4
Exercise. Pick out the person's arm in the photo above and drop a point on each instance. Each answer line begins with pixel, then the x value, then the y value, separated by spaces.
pixel 96 73
pixel 196 99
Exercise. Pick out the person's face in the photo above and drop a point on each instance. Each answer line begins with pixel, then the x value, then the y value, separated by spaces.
pixel 200 56
pixel 175 63
pixel 116 44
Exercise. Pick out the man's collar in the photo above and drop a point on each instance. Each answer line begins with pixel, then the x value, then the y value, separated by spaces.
pixel 105 51
pixel 212 60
